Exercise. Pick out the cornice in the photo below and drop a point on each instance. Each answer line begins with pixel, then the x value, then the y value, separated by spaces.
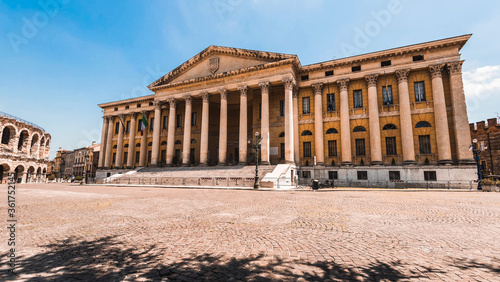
pixel 127 101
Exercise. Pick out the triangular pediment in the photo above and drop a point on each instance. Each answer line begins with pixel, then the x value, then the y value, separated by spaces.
pixel 218 60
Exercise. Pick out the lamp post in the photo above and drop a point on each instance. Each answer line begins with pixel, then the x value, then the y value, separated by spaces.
pixel 476 149
pixel 258 140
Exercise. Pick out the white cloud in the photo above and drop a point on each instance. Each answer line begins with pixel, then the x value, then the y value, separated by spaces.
pixel 482 82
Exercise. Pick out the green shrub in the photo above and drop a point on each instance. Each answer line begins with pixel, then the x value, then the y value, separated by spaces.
pixel 426 161
pixel 307 162
pixel 333 162
pixel 362 162
pixel 393 162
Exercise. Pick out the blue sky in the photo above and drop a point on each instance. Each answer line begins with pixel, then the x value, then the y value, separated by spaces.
pixel 60 58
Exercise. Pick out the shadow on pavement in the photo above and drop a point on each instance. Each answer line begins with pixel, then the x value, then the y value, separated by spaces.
pixel 109 259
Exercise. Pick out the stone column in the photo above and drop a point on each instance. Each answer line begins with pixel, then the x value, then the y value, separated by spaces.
pixel 319 145
pixel 109 143
pixel 223 127
pixel 264 121
pixel 144 145
pixel 345 126
pixel 460 119
pixel 440 115
pixel 102 154
pixel 243 125
pixel 373 119
pixel 406 124
pixel 156 134
pixel 296 143
pixel 204 129
pixel 171 132
pixel 131 140
pixel 187 132
pixel 119 146
pixel 289 84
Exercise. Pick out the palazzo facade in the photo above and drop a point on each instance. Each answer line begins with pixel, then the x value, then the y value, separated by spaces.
pixel 399 107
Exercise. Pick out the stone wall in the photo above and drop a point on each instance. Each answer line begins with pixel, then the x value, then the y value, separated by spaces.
pixel 491 156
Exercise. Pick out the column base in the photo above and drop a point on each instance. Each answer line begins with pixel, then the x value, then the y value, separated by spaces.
pixel 289 162
pixel 409 162
pixel 346 164
pixel 185 165
pixel 378 163
pixel 264 163
pixel 129 167
pixel 203 165
pixel 242 163
pixel 153 165
pixel 466 162
pixel 445 162
pixel 222 164
pixel 168 165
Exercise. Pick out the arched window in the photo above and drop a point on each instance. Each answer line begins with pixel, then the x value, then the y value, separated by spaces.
pixel 114 147
pixel 359 129
pixel 163 143
pixel 282 134
pixel 138 145
pixel 126 146
pixel 331 131
pixel 306 133
pixel 389 126
pixel 150 144
pixel 6 136
pixel 421 124
pixel 178 142
pixel 193 141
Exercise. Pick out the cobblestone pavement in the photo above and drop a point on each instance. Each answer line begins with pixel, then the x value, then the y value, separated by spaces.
pixel 67 233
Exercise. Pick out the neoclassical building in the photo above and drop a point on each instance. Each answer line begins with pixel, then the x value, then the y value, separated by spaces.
pixel 400 110
pixel 24 150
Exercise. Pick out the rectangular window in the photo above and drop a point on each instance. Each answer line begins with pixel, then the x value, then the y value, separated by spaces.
pixel 179 120
pixel 116 109
pixel 394 175
pixel 137 157
pixel 358 98
pixel 333 175
pixel 424 142
pixel 304 77
pixel 330 102
pixel 387 95
pixel 328 73
pixel 114 158
pixel 193 119
pixel 125 156
pixel 117 127
pixel 356 68
pixel 306 147
pixel 418 58
pixel 165 122
pixel 282 108
pixel 390 145
pixel 127 107
pixel 360 147
pixel 430 175
pixel 138 105
pixel 332 148
pixel 151 123
pixel 260 110
pixel 282 151
pixel 363 175
pixel 385 63
pixel 149 157
pixel 191 155
pixel 163 156
pixel 419 91
pixel 177 156
pixel 306 174
pixel 128 127
pixel 305 105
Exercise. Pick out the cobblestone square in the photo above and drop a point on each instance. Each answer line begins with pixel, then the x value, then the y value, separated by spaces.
pixel 96 233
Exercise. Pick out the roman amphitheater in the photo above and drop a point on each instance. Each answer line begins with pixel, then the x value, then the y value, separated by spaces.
pixel 24 150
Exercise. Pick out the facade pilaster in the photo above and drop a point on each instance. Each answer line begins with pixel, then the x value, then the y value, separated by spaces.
pixel 109 143
pixel 460 119
pixel 171 132
pixel 131 140
pixel 187 132
pixel 156 134
pixel 345 127
pixel 204 129
pixel 296 143
pixel 319 145
pixel 406 126
pixel 289 84
pixel 373 119
pixel 119 146
pixel 223 127
pixel 264 89
pixel 243 125
pixel 144 145
pixel 440 115
pixel 102 154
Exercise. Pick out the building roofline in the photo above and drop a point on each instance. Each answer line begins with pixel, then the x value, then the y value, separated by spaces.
pixel 126 101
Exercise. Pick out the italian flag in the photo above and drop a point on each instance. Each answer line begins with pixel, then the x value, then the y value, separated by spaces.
pixel 144 123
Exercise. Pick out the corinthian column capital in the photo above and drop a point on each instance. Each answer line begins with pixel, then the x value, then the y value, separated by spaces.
pixel 295 92
pixel 455 67
pixel 371 79
pixel 436 70
pixel 172 102
pixel 402 75
pixel 187 99
pixel 205 97
pixel 157 104
pixel 343 84
pixel 223 93
pixel 318 88
pixel 264 87
pixel 243 90
pixel 289 83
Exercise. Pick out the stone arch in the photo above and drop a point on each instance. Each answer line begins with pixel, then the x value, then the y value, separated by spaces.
pixel 41 153
pixel 30 173
pixel 18 173
pixel 306 133
pixel 9 133
pixel 4 173
pixel 331 131
pixel 35 139
pixel 23 138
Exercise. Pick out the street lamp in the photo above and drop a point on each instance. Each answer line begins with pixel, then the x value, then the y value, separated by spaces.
pixel 476 149
pixel 258 140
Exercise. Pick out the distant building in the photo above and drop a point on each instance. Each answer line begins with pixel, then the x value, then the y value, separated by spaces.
pixel 92 152
pixel 488 138
pixel 24 150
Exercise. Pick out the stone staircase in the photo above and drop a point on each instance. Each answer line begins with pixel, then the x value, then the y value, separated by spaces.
pixel 281 176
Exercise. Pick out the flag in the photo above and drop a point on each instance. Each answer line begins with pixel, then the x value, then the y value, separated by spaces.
pixel 144 123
